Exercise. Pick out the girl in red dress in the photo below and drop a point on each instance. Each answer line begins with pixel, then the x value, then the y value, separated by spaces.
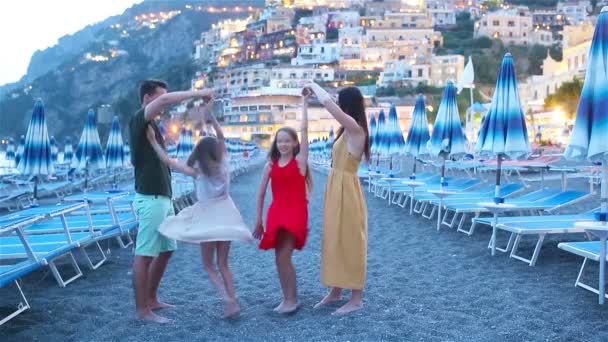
pixel 287 220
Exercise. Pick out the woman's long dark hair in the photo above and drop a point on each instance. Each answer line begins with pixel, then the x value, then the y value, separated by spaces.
pixel 208 155
pixel 274 154
pixel 351 101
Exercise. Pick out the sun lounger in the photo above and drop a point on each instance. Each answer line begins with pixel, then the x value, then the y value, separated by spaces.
pixel 546 200
pixel 589 250
pixel 10 275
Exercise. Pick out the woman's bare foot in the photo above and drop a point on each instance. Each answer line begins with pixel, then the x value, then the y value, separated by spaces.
pixel 231 309
pixel 288 307
pixel 330 298
pixel 155 305
pixel 152 317
pixel 278 307
pixel 349 307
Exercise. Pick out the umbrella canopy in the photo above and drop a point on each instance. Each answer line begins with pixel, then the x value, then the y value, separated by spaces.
pixel 448 139
pixel 36 158
pixel 382 146
pixel 10 150
pixel 115 152
pixel 54 149
pixel 68 153
pixel 19 153
pixel 373 127
pixel 394 135
pixel 89 146
pixel 504 131
pixel 418 135
pixel 127 150
pixel 183 149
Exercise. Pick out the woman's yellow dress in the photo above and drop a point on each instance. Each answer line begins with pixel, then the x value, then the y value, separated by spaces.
pixel 344 250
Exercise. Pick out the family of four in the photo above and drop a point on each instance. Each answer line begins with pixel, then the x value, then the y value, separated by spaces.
pixel 214 221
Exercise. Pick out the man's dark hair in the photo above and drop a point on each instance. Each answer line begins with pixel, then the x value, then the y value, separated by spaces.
pixel 149 87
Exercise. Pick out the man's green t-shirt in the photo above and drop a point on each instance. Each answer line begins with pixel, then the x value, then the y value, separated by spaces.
pixel 152 176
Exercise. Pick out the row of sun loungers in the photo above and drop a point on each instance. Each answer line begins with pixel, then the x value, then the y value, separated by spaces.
pixel 533 216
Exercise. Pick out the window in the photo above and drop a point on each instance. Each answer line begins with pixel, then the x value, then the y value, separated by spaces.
pixel 510 34
pixel 322 49
pixel 419 72
pixel 495 23
pixel 511 23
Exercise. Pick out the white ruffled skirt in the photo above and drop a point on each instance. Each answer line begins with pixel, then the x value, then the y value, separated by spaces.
pixel 211 220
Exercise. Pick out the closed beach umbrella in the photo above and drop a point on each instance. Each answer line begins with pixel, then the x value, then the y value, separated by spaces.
pixel 503 134
pixel 381 148
pixel 115 153
pixel 89 155
pixel 418 135
pixel 182 144
pixel 447 140
pixel 36 159
pixel 373 127
pixel 589 137
pixel 10 150
pixel 68 151
pixel 54 149
pixel 19 152
pixel 394 136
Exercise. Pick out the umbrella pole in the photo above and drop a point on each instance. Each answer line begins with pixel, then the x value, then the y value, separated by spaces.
pixel 414 170
pixel 35 201
pixel 441 196
pixel 496 200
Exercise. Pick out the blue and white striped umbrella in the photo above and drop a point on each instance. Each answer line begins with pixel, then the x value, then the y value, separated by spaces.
pixel 89 146
pixel 10 150
pixel 394 134
pixel 20 147
pixel 54 150
pixel 68 152
pixel 447 139
pixel 418 136
pixel 504 131
pixel 590 134
pixel 36 159
pixel 127 150
pixel 382 146
pixel 373 127
pixel 183 149
pixel 115 152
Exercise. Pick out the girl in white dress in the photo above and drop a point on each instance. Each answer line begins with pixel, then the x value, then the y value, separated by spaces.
pixel 213 221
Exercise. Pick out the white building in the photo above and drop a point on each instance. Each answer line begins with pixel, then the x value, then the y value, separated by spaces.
pixel 314 54
pixel 512 26
pixel 574 11
pixel 242 80
pixel 395 74
pixel 442 13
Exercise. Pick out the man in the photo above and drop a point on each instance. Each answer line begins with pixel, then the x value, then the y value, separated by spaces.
pixel 153 196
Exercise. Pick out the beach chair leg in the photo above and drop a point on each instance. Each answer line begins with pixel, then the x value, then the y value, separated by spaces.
pixel 535 254
pixel 88 259
pixel 22 306
pixel 463 219
pixel 509 243
pixel 418 206
pixel 454 219
pixel 57 275
pixel 121 243
pixel 445 220
pixel 582 285
pixel 425 205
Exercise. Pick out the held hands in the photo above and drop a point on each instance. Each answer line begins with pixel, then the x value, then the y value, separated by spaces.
pixel 259 229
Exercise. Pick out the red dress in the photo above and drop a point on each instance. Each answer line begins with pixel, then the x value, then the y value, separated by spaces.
pixel 289 207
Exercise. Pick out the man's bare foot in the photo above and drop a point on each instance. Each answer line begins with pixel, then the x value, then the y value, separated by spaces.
pixel 231 309
pixel 288 307
pixel 330 298
pixel 155 305
pixel 347 308
pixel 152 317
pixel 278 307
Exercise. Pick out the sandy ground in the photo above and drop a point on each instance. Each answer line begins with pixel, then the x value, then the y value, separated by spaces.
pixel 423 285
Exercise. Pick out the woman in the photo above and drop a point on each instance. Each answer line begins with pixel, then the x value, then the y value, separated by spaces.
pixel 344 250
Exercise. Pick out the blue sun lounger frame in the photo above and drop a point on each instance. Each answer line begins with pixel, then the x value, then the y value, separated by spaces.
pixel 589 250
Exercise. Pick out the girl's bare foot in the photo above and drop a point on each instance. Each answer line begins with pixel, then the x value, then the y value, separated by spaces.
pixel 330 298
pixel 155 305
pixel 278 307
pixel 349 307
pixel 152 317
pixel 288 307
pixel 231 309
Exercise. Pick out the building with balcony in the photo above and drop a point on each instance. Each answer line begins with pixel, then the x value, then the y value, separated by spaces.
pixel 317 54
pixel 511 26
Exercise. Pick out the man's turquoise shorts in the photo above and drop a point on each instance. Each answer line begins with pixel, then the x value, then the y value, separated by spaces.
pixel 151 212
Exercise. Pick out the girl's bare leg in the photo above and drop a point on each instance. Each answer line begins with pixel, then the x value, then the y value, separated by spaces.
pixel 355 303
pixel 334 295
pixel 231 306
pixel 208 251
pixel 287 272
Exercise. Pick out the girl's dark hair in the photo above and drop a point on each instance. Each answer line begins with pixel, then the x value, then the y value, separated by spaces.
pixel 351 101
pixel 274 154
pixel 208 155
